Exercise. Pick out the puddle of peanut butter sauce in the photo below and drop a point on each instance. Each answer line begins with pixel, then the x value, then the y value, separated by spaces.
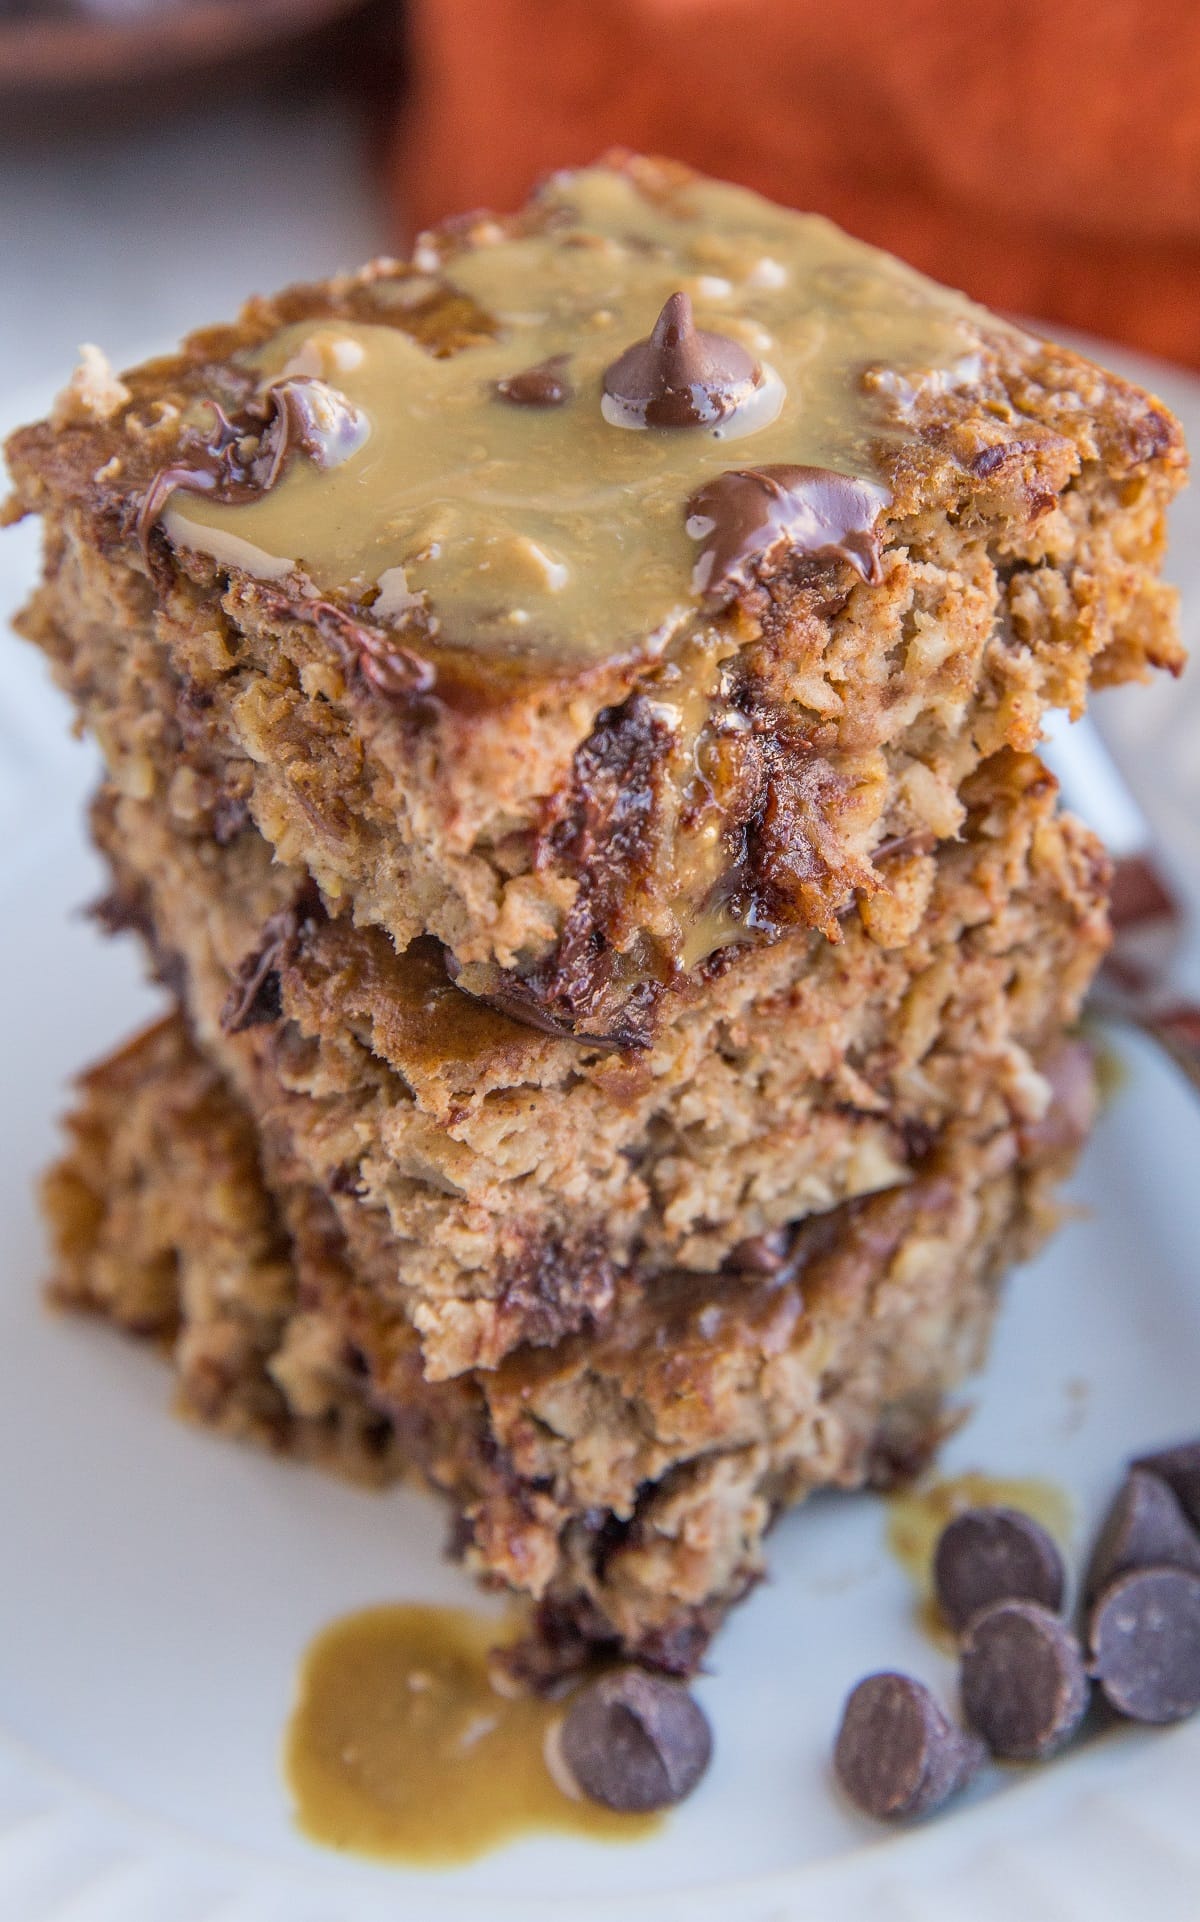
pixel 399 1747
pixel 917 1516
pixel 547 532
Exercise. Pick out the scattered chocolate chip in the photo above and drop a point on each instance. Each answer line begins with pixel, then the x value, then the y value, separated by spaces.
pixel 635 1741
pixel 680 376
pixel 1179 1467
pixel 256 1006
pixel 540 386
pixel 988 1555
pixel 1144 1528
pixel 1024 1684
pixel 906 1441
pixel 896 1753
pixel 1144 1638
pixel 988 460
pixel 125 909
pixel 746 516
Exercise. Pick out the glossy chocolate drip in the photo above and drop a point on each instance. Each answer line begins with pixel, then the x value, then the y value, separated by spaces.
pixel 243 457
pixel 680 376
pixel 540 386
pixel 744 517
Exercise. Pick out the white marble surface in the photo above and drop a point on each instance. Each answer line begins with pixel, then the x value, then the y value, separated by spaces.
pixel 130 238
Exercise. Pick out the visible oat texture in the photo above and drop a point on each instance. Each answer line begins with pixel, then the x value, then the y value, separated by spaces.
pixel 610 1072
pixel 577 834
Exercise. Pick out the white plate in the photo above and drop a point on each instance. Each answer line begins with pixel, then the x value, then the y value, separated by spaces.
pixel 159 1585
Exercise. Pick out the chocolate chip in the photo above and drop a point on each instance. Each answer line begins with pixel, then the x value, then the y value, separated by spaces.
pixel 255 997
pixel 747 516
pixel 988 460
pixel 1144 1528
pixel 540 386
pixel 896 1754
pixel 1144 1637
pixel 990 1555
pixel 1179 1467
pixel 760 1254
pixel 1024 1684
pixel 257 1007
pixel 635 1741
pixel 679 376
pixel 240 459
pixel 315 418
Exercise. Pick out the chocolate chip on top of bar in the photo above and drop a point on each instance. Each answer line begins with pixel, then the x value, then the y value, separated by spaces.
pixel 242 460
pixel 543 529
pixel 744 517
pixel 684 377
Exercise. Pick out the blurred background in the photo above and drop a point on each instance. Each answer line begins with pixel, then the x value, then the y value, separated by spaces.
pixel 160 159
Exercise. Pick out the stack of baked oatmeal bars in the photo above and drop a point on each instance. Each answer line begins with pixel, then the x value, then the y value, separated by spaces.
pixel 570 706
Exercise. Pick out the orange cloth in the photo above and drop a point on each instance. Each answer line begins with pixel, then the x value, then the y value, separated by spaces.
pixel 1043 154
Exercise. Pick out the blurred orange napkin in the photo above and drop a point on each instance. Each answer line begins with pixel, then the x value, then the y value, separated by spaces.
pixel 1043 154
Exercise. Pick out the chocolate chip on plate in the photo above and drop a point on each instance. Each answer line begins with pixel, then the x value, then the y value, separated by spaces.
pixel 1179 1467
pixel 1144 1528
pixel 635 1741
pixel 990 1555
pixel 1144 1637
pixel 896 1753
pixel 1024 1684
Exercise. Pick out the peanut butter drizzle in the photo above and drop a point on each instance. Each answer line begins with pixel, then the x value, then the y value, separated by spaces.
pixel 399 1747
pixel 544 533
pixel 917 1516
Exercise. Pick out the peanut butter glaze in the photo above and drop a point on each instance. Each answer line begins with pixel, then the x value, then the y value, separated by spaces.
pixel 399 1747
pixel 544 533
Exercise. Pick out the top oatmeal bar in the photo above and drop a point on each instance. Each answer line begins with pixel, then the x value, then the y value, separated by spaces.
pixel 449 576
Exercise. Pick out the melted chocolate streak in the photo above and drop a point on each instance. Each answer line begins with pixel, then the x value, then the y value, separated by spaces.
pixel 516 998
pixel 242 459
pixel 387 667
pixel 748 514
